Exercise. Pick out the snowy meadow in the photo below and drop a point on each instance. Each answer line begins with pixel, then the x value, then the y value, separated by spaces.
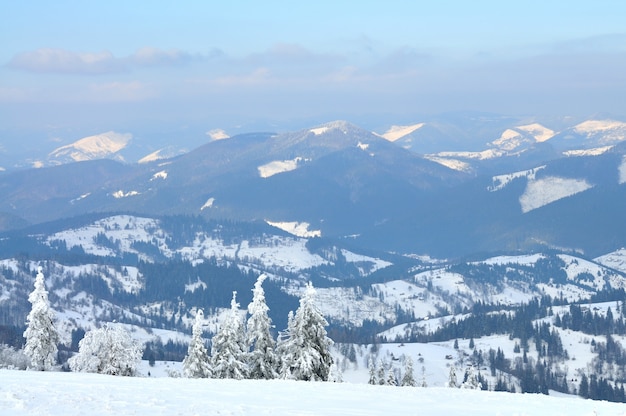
pixel 56 393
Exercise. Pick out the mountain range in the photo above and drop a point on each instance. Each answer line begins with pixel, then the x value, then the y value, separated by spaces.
pixel 529 187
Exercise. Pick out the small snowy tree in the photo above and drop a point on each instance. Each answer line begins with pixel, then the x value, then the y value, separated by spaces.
pixel 228 346
pixel 452 382
pixel 307 348
pixel 391 378
pixel 372 371
pixel 262 362
pixel 381 373
pixel 471 380
pixel 41 335
pixel 408 379
pixel 335 375
pixel 107 350
pixel 284 346
pixel 197 363
pixel 423 383
pixel 13 359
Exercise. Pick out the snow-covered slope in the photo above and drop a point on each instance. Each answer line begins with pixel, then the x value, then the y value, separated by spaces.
pixel 55 393
pixel 119 234
pixel 397 132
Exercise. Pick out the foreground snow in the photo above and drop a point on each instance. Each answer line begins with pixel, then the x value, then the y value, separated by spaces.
pixel 49 393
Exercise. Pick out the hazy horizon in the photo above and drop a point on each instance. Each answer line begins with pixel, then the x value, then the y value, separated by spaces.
pixel 86 68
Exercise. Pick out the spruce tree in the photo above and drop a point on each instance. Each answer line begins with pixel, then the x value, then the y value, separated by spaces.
pixel 381 373
pixel 471 380
pixel 228 346
pixel 307 348
pixel 391 378
pixel 41 335
pixel 197 362
pixel 372 371
pixel 408 379
pixel 261 359
pixel 284 348
pixel 452 382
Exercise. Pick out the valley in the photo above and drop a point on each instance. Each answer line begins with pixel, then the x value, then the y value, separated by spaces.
pixel 516 250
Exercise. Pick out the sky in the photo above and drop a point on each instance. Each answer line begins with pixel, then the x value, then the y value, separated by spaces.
pixel 99 66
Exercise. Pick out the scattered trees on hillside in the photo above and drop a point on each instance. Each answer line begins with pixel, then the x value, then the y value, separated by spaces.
pixel 41 335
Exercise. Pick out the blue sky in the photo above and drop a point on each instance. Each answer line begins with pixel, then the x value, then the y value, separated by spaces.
pixel 107 65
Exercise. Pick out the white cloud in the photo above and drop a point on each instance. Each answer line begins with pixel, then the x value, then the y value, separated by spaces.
pixel 56 60
pixel 63 61
pixel 149 56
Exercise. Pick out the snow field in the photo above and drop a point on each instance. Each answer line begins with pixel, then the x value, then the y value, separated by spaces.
pixel 69 394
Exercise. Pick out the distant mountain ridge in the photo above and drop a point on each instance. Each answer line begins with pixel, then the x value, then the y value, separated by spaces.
pixel 105 145
pixel 347 181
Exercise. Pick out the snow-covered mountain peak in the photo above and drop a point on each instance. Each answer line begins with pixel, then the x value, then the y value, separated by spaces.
pixel 601 132
pixel 93 147
pixel 516 138
pixel 340 125
pixel 217 134
pixel 539 132
pixel 510 140
pixel 595 126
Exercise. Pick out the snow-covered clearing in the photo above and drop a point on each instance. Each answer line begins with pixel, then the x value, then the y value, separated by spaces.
pixel 588 152
pixel 299 229
pixel 279 166
pixel 159 175
pixel 550 189
pixel 450 163
pixel 208 204
pixel 622 171
pixel 397 132
pixel 54 393
pixel 501 181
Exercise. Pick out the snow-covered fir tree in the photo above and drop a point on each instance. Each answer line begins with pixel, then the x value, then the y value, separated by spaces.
pixel 391 378
pixel 261 358
pixel 372 371
pixel 408 379
pixel 381 373
pixel 41 335
pixel 306 350
pixel 283 345
pixel 228 352
pixel 335 375
pixel 107 350
pixel 197 362
pixel 471 380
pixel 423 383
pixel 452 382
